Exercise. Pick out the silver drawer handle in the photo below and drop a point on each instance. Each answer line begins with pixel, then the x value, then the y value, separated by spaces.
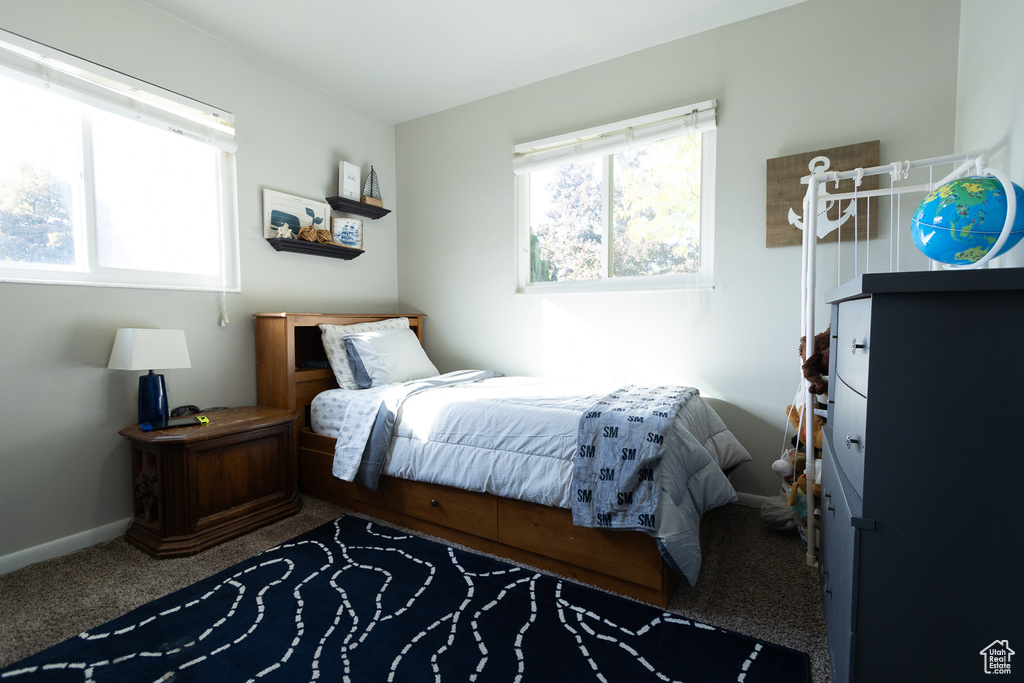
pixel 433 503
pixel 850 440
pixel 856 346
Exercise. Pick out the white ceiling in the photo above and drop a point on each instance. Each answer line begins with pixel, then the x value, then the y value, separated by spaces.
pixel 402 59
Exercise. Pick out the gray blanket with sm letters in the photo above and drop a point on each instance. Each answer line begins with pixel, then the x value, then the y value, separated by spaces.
pixel 618 447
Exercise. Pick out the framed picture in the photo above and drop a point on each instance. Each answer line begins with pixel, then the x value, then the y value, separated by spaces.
pixel 836 219
pixel 348 180
pixel 285 213
pixel 347 232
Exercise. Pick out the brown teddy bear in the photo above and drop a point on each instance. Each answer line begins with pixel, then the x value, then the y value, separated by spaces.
pixel 816 365
pixel 796 421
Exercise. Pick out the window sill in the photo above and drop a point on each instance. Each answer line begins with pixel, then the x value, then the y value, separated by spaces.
pixel 630 284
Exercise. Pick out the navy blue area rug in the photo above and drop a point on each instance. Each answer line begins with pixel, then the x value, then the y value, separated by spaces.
pixel 356 601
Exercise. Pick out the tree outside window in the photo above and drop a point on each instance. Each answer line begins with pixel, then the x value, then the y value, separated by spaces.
pixel 635 213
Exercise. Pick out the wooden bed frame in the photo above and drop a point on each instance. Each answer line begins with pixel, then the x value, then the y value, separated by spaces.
pixel 291 368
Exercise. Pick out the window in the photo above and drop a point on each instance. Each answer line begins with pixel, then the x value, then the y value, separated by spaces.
pixel 107 180
pixel 628 205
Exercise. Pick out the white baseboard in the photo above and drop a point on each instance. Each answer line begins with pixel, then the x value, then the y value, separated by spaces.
pixel 62 546
pixel 751 500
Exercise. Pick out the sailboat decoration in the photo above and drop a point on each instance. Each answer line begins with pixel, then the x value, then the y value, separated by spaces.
pixel 371 191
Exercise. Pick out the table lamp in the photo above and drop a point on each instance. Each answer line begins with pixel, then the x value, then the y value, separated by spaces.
pixel 141 349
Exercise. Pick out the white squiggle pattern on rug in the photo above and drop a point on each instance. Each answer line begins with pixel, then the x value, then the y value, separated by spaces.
pixel 356 602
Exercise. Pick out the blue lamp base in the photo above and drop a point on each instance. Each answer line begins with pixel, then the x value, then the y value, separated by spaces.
pixel 152 399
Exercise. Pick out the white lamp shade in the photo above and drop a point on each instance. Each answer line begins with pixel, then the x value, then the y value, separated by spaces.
pixel 140 349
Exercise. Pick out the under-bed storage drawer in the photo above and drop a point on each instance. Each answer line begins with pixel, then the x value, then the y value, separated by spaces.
pixel 469 511
pixel 629 555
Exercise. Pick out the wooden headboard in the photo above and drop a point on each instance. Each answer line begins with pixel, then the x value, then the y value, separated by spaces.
pixel 288 349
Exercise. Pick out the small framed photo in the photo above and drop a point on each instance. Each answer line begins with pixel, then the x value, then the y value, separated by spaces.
pixel 284 214
pixel 348 180
pixel 348 232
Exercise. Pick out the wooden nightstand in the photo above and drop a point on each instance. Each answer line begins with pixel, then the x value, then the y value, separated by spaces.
pixel 195 487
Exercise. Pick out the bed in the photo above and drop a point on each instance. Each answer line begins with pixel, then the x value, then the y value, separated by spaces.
pixel 530 523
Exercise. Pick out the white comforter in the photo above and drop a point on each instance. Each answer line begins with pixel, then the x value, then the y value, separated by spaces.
pixel 516 437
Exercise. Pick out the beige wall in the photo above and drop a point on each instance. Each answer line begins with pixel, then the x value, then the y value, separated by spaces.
pixel 819 74
pixel 989 98
pixel 63 468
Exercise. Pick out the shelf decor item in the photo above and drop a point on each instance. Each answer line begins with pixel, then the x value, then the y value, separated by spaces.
pixel 371 190
pixel 348 180
pixel 284 211
pixel 347 232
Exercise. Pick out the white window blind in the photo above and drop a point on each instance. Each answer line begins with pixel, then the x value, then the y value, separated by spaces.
pixel 109 180
pixel 627 205
pixel 613 137
pixel 115 92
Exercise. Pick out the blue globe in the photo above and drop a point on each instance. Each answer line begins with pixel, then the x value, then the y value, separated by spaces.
pixel 960 221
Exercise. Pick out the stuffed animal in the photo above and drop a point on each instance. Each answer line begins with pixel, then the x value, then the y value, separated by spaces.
pixel 791 464
pixel 791 467
pixel 795 415
pixel 816 365
pixel 797 496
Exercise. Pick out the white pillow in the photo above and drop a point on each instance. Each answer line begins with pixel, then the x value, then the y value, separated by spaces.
pixel 333 337
pixel 387 356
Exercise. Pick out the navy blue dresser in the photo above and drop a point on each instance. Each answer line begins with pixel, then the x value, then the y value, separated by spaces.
pixel 922 560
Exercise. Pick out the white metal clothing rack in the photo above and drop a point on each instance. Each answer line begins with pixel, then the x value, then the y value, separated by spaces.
pixel 817 191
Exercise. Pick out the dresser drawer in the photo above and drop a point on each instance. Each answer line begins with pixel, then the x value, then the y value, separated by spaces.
pixel 852 348
pixel 850 411
pixel 838 568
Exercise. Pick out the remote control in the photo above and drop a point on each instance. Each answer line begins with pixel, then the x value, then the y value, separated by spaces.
pixel 180 422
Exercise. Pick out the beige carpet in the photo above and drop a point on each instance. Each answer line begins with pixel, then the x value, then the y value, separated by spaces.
pixel 753 581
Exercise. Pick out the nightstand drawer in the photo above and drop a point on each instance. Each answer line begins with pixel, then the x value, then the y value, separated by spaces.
pixel 848 429
pixel 852 347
